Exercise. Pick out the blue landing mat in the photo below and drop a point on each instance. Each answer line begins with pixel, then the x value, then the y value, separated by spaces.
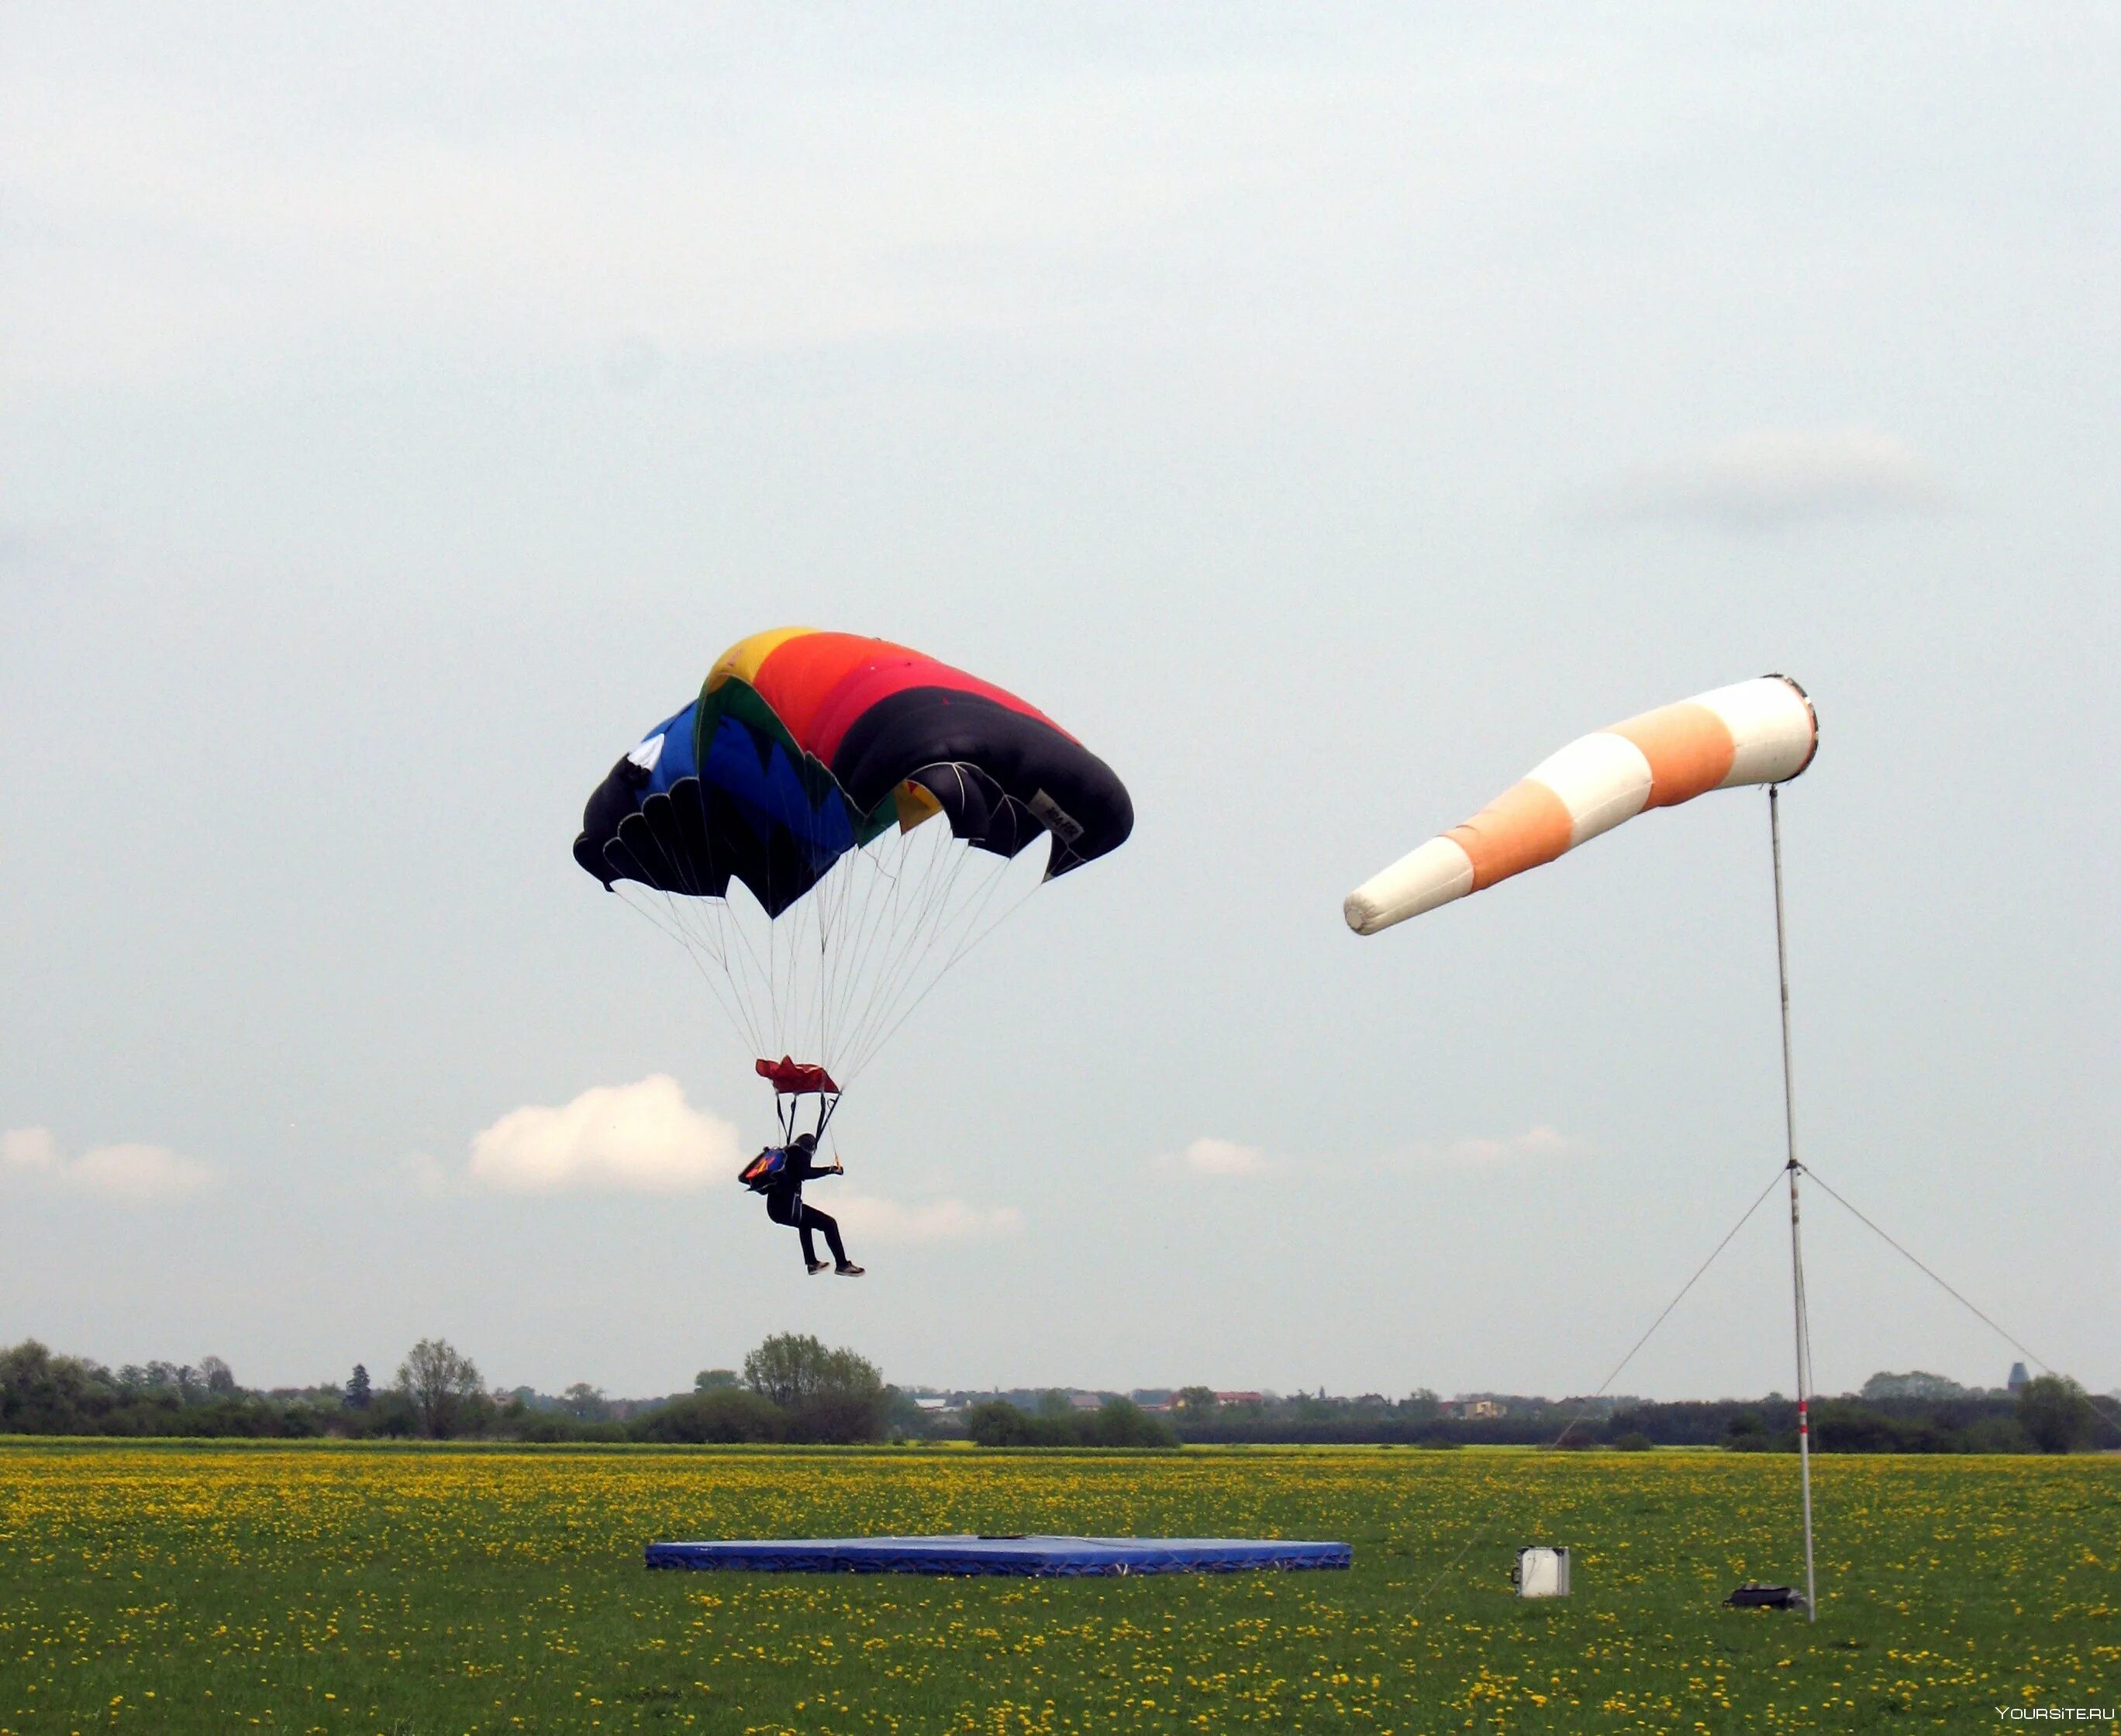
pixel 1040 1557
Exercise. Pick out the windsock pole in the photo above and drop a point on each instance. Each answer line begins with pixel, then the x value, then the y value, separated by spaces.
pixel 1796 1241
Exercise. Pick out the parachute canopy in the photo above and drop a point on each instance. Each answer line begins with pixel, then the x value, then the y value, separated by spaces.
pixel 804 745
pixel 1757 732
pixel 775 827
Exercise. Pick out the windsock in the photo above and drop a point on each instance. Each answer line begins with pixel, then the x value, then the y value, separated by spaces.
pixel 1757 732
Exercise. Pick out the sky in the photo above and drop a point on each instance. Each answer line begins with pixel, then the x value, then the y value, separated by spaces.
pixel 1325 413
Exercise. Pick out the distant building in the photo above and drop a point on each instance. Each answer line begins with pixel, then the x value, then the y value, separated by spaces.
pixel 1240 1398
pixel 1472 1407
pixel 2017 1376
pixel 1083 1401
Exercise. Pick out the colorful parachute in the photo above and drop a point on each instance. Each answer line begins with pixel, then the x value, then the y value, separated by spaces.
pixel 1757 732
pixel 775 827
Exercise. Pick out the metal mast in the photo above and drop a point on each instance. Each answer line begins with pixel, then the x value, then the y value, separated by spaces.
pixel 1796 1240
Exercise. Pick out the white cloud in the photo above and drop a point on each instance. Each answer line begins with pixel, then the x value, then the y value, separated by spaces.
pixel 1219 1157
pixel 641 1138
pixel 871 1218
pixel 129 1174
pixel 30 1148
pixel 1534 1144
pixel 1778 477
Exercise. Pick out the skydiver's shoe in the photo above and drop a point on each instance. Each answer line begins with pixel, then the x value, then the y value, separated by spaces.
pixel 848 1269
pixel 815 1266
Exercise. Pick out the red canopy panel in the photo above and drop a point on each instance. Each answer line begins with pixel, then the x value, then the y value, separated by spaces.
pixel 794 1078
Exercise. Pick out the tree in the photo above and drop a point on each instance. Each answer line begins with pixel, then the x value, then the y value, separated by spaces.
pixel 2055 1413
pixel 1194 1402
pixel 585 1403
pixel 442 1386
pixel 712 1380
pixel 722 1413
pixel 220 1378
pixel 827 1394
pixel 789 1368
pixel 1915 1383
pixel 41 1393
pixel 1747 1432
pixel 785 1368
pixel 1120 1422
pixel 995 1422
pixel 358 1391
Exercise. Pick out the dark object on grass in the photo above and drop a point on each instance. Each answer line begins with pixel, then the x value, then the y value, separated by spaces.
pixel 1753 1595
pixel 1038 1558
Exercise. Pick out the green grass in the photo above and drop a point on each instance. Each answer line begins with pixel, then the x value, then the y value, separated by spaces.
pixel 423 1592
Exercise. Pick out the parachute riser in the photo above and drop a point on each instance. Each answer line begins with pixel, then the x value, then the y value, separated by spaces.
pixel 788 1109
pixel 1803 1316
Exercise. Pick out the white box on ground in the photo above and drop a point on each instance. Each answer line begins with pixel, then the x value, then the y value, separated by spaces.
pixel 1542 1572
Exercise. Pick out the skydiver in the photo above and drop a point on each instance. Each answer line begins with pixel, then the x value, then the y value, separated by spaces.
pixel 784 1205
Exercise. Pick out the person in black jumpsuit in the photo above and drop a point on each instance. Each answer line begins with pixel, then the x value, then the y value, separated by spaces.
pixel 784 1205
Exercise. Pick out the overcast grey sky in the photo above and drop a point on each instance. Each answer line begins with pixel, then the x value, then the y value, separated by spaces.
pixel 1326 414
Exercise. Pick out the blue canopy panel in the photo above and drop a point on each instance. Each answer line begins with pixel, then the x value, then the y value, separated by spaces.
pixel 1037 1557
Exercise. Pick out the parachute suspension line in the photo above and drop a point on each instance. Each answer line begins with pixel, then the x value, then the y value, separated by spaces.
pixel 787 933
pixel 841 902
pixel 884 872
pixel 904 885
pixel 914 936
pixel 883 864
pixel 818 963
pixel 703 929
pixel 731 925
pixel 931 890
pixel 825 895
pixel 714 941
pixel 844 967
pixel 961 951
pixel 968 935
pixel 941 923
pixel 674 871
pixel 711 919
pixel 1803 1321
pixel 954 930
pixel 731 1010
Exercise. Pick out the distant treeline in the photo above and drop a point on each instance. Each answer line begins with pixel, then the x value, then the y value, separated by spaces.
pixel 791 1389
pixel 1056 1422
pixel 794 1388
pixel 1896 1414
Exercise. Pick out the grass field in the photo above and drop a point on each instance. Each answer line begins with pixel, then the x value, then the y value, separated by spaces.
pixel 338 1589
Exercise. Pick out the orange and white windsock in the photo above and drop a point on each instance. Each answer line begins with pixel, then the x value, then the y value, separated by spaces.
pixel 1757 732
